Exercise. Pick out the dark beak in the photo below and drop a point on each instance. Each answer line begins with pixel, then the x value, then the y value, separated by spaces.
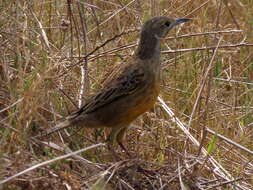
pixel 180 21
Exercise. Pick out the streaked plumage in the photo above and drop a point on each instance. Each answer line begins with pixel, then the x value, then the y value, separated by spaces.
pixel 132 91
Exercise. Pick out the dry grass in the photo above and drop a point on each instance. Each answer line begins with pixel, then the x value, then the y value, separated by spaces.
pixel 45 73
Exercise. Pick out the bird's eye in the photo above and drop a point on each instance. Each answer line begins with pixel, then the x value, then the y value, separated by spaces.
pixel 167 23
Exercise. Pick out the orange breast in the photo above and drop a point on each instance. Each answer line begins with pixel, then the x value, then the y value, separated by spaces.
pixel 141 104
pixel 125 110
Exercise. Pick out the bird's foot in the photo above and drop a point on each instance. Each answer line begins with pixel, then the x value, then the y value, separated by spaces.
pixel 125 150
pixel 114 153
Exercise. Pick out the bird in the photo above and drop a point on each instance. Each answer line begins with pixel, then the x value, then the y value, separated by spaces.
pixel 134 89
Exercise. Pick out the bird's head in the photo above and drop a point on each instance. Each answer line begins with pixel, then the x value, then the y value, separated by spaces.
pixel 152 31
pixel 159 26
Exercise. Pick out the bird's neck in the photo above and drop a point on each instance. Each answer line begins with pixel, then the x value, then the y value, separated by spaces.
pixel 149 52
pixel 149 47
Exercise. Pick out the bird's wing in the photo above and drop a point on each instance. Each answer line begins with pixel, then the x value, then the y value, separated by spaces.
pixel 127 82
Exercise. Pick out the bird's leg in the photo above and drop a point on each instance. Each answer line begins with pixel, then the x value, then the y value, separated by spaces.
pixel 113 135
pixel 111 141
pixel 120 137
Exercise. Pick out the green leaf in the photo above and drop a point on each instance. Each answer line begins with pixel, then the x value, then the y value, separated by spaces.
pixel 212 144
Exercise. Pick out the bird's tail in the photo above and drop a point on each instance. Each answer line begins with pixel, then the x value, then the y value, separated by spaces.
pixel 58 127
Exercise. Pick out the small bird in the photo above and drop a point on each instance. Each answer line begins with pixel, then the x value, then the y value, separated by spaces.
pixel 132 91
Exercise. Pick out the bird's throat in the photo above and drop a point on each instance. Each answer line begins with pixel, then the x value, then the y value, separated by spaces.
pixel 149 47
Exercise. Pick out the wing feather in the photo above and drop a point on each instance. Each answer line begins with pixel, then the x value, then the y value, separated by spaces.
pixel 127 82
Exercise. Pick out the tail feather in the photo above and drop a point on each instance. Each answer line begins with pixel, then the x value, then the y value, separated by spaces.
pixel 58 127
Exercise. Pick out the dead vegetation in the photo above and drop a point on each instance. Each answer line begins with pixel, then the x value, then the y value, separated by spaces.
pixel 56 53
